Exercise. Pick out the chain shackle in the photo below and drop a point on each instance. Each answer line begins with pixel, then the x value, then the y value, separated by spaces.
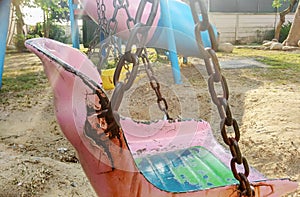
pixel 246 187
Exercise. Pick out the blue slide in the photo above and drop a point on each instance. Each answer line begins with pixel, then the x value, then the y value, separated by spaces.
pixel 181 25
pixel 4 16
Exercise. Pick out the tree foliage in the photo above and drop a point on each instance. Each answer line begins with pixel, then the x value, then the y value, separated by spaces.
pixel 278 3
pixel 57 9
pixel 54 11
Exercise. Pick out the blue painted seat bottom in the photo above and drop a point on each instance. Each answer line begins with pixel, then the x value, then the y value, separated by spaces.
pixel 185 170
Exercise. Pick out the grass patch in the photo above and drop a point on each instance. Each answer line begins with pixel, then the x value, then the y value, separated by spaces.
pixel 284 67
pixel 22 71
pixel 275 59
pixel 23 81
pixel 23 74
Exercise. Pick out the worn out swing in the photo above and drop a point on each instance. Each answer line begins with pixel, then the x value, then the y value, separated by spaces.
pixel 179 157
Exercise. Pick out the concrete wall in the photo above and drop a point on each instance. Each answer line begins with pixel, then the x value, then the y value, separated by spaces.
pixel 244 27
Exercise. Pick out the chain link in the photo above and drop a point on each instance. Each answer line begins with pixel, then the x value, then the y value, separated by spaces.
pixel 130 75
pixel 216 78
pixel 107 29
pixel 155 85
pixel 202 25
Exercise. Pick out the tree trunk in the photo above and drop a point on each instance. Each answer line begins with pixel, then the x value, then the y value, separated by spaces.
pixel 294 34
pixel 19 38
pixel 282 18
pixel 46 24
pixel 12 26
pixel 19 15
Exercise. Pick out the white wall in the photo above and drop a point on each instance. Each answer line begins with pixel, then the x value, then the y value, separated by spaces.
pixel 243 27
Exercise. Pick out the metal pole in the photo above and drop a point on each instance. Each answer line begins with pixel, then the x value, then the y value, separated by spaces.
pixel 74 25
pixel 167 21
pixel 4 16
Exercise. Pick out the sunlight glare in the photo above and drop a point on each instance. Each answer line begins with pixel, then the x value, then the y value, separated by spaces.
pixel 32 15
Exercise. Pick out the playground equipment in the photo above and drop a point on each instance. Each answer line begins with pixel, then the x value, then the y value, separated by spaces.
pixel 4 15
pixel 197 166
pixel 172 157
pixel 74 24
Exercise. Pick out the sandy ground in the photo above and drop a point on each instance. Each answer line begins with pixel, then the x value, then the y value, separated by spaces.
pixel 36 159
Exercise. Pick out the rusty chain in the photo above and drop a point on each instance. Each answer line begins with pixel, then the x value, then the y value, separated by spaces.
pixel 102 21
pixel 216 78
pixel 123 4
pixel 134 50
pixel 110 109
pixel 155 85
pixel 108 27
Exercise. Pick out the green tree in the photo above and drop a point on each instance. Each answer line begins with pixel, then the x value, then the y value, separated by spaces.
pixel 294 34
pixel 54 11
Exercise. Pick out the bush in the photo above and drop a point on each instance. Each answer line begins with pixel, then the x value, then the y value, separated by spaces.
pixel 35 31
pixel 19 40
pixel 284 32
pixel 269 35
pixel 58 33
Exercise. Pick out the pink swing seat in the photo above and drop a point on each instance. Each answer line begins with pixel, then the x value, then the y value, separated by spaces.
pixel 162 158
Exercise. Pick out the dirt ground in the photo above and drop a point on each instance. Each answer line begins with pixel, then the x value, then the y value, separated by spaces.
pixel 36 159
